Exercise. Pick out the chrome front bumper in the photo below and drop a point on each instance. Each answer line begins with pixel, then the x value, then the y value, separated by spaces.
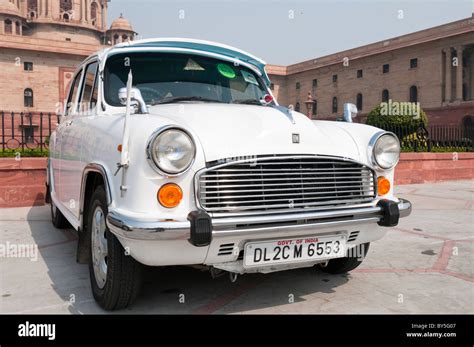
pixel 133 229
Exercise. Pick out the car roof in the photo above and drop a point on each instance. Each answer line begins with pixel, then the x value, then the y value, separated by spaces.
pixel 203 46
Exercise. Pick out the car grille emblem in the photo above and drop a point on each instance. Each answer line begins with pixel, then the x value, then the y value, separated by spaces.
pixel 296 138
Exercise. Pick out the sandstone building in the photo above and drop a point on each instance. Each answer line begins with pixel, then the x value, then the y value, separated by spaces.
pixel 434 67
pixel 42 42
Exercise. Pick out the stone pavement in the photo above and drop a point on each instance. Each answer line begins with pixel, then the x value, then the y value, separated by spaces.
pixel 424 265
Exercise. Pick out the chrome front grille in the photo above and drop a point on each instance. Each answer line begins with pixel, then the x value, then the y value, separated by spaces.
pixel 274 184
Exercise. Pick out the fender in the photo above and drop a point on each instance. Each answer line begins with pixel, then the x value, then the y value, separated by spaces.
pixel 83 244
pixel 98 168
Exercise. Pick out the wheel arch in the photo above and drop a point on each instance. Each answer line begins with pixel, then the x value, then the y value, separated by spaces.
pixel 93 175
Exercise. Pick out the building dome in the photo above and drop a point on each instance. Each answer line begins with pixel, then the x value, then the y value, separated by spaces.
pixel 120 24
pixel 6 7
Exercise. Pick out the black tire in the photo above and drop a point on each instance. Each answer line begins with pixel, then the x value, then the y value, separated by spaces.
pixel 58 219
pixel 123 274
pixel 343 265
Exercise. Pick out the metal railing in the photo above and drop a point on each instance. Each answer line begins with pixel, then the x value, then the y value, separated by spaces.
pixel 421 138
pixel 30 131
pixel 26 131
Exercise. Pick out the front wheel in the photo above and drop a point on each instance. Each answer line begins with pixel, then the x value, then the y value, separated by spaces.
pixel 115 275
pixel 342 265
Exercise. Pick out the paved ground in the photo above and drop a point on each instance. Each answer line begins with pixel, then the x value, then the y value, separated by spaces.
pixel 425 265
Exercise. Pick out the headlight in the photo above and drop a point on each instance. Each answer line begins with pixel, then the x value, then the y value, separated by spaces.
pixel 171 151
pixel 386 151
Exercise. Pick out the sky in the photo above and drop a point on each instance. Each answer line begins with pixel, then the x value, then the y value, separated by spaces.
pixel 284 32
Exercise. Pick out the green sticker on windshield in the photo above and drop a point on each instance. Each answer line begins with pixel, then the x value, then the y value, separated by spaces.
pixel 226 71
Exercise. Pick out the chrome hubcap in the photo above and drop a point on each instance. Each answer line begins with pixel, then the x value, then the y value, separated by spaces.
pixel 99 247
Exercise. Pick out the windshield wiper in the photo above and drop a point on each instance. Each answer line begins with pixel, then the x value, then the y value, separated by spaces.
pixel 248 102
pixel 171 100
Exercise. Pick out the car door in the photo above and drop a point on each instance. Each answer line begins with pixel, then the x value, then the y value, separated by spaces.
pixel 61 135
pixel 71 146
pixel 74 136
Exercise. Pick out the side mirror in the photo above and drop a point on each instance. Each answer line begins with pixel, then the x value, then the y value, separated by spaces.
pixel 350 111
pixel 135 98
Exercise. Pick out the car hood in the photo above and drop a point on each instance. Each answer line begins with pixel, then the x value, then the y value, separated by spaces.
pixel 238 131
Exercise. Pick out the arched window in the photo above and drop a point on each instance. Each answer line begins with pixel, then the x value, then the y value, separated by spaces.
pixel 8 26
pixel 124 38
pixel 385 95
pixel 116 39
pixel 315 107
pixel 297 107
pixel 413 94
pixel 359 101
pixel 334 105
pixel 28 97
pixel 32 6
pixel 17 28
pixel 94 8
pixel 65 5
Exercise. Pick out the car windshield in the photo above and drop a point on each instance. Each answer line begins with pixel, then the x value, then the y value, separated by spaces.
pixel 165 78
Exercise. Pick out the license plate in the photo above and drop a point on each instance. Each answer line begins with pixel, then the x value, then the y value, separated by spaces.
pixel 294 250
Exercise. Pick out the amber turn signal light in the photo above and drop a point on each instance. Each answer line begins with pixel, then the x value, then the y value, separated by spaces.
pixel 383 185
pixel 170 195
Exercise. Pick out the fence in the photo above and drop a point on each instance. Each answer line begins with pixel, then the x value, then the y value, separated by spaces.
pixel 31 131
pixel 435 138
pixel 26 131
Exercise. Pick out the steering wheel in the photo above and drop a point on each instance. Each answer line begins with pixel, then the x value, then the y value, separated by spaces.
pixel 151 95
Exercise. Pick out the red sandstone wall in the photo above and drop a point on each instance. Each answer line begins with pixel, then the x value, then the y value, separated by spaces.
pixel 434 167
pixel 22 182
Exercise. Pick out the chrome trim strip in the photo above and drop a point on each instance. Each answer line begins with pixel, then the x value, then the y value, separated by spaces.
pixel 405 207
pixel 285 228
pixel 222 222
pixel 295 210
pixel 301 205
pixel 166 230
pixel 93 167
pixel 126 227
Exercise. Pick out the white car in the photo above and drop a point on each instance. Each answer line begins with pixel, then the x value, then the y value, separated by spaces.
pixel 175 152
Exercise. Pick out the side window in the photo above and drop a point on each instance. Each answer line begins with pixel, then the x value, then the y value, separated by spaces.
pixel 89 89
pixel 71 101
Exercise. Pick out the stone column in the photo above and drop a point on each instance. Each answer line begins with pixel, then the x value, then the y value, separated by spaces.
pixel 448 79
pixel 50 9
pixel 103 15
pixel 459 68
pixel 81 17
pixel 87 12
pixel 23 8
